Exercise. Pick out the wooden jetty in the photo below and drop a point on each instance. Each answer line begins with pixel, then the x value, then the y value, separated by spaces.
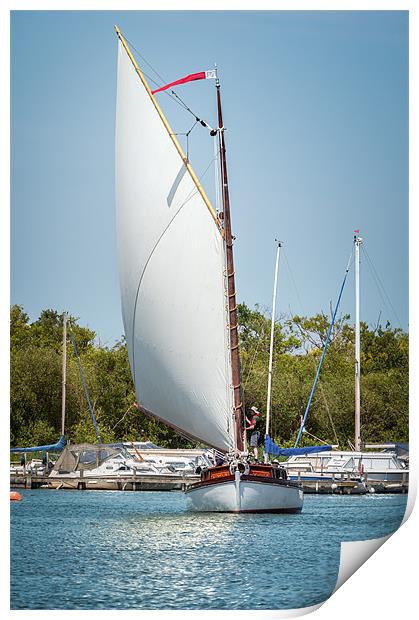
pixel 175 482
pixel 351 487
pixel 141 482
pixel 329 487
pixel 387 486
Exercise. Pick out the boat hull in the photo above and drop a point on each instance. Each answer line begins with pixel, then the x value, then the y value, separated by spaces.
pixel 241 494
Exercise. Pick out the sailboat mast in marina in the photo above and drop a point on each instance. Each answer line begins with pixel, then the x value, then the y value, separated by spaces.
pixel 64 374
pixel 178 297
pixel 271 346
pixel 357 243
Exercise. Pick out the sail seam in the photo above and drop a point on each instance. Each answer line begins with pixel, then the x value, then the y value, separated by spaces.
pixel 142 276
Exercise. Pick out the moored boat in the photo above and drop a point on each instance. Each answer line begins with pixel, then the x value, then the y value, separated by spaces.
pixel 381 472
pixel 378 472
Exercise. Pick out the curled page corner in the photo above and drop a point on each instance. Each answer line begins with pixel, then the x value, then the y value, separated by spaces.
pixel 353 554
pixel 411 499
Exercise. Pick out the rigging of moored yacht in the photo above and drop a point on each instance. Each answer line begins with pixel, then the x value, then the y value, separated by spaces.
pixel 178 298
pixel 380 471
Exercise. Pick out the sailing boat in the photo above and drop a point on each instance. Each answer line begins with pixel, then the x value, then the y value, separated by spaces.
pixel 178 298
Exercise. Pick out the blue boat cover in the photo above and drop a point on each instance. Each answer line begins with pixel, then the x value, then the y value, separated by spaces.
pixel 54 447
pixel 272 448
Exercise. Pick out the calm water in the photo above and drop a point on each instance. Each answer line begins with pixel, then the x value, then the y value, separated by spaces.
pixel 125 550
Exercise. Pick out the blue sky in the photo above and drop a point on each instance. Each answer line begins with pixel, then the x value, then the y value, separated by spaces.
pixel 316 110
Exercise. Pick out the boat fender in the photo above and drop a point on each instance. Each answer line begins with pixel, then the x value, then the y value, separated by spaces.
pixel 283 474
pixel 246 468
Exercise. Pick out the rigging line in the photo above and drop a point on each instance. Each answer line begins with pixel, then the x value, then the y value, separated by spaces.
pixel 374 271
pixel 314 364
pixel 185 133
pixel 321 390
pixel 293 282
pixel 326 443
pixel 125 414
pixel 194 190
pixel 187 137
pixel 254 357
pixel 328 412
pixel 323 354
pixel 92 415
pixel 380 292
pixel 216 178
pixel 146 61
pixel 172 94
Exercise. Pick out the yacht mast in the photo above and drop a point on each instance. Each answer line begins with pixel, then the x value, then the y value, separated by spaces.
pixel 64 373
pixel 357 242
pixel 271 348
pixel 231 290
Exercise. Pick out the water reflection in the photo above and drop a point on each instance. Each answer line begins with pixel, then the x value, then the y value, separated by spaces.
pixel 115 550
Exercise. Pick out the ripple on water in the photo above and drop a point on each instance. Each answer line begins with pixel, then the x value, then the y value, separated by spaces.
pixel 124 550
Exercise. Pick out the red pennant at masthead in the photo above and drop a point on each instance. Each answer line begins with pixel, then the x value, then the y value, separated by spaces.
pixel 202 75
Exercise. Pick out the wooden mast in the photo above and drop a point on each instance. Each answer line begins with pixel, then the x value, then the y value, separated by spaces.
pixel 231 289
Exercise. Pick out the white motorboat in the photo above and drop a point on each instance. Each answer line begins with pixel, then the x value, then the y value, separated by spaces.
pixel 104 460
pixel 379 471
pixel 182 461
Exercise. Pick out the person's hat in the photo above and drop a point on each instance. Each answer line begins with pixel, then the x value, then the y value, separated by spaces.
pixel 255 410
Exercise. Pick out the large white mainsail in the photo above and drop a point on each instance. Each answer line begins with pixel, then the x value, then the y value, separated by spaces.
pixel 171 264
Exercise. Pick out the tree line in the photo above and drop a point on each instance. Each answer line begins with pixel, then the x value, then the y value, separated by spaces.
pixel 36 382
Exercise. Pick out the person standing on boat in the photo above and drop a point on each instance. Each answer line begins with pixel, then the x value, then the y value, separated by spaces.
pixel 254 426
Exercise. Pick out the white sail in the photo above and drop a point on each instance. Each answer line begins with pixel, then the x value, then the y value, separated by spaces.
pixel 171 264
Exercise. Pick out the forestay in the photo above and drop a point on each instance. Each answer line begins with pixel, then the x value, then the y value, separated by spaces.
pixel 171 264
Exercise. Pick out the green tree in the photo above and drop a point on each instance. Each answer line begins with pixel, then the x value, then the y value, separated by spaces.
pixel 36 381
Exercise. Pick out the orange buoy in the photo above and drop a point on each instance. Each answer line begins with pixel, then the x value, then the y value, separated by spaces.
pixel 15 496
